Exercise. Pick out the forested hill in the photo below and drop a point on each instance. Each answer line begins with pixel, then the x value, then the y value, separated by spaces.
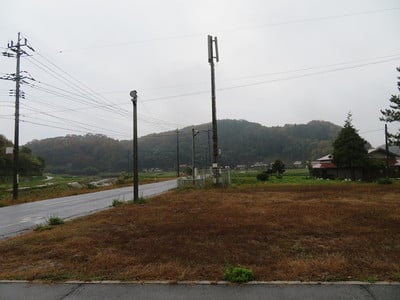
pixel 240 142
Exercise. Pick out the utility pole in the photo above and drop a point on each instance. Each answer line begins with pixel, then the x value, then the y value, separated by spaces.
pixel 16 48
pixel 194 133
pixel 209 146
pixel 177 153
pixel 387 151
pixel 133 94
pixel 213 44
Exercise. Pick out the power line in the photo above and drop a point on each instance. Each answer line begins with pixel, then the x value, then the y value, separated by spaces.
pixel 395 56
pixel 82 89
pixel 56 127
pixel 273 80
pixel 233 29
pixel 105 100
pixel 90 99
pixel 72 122
pixel 77 98
pixel 308 75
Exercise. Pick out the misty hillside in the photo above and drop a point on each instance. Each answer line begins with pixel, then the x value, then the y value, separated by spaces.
pixel 240 142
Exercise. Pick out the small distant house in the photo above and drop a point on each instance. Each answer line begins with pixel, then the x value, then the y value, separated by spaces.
pixel 297 164
pixel 241 167
pixel 259 165
pixel 393 158
pixel 325 168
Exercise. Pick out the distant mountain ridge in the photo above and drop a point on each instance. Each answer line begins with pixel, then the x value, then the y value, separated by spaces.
pixel 240 142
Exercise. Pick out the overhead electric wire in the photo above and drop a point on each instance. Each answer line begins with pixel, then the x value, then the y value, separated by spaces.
pixel 103 105
pixel 77 99
pixel 70 84
pixel 394 56
pixel 233 29
pixel 272 80
pixel 56 76
pixel 105 100
pixel 81 92
pixel 51 126
pixel 307 75
pixel 72 122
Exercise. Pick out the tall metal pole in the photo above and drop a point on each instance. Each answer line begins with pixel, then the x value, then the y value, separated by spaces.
pixel 209 147
pixel 177 153
pixel 211 43
pixel 194 133
pixel 387 151
pixel 135 149
pixel 193 159
pixel 16 126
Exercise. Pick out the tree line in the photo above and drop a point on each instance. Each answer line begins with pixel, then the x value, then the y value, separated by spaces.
pixel 29 164
pixel 240 142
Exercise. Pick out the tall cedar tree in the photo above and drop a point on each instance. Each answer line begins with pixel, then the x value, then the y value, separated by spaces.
pixel 349 149
pixel 392 114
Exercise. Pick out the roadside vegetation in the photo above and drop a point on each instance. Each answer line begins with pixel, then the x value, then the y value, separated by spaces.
pixel 266 231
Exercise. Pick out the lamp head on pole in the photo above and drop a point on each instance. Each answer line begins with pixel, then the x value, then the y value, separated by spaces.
pixel 133 94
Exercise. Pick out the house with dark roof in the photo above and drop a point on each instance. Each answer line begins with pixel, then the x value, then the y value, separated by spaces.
pixel 324 167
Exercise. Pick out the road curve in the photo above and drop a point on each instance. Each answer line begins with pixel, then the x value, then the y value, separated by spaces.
pixel 22 217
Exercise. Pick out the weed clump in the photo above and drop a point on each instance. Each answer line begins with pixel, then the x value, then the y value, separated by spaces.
pixel 54 220
pixel 116 203
pixel 50 223
pixel 141 200
pixel 238 274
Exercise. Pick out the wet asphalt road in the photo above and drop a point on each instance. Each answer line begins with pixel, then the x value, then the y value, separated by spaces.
pixel 19 218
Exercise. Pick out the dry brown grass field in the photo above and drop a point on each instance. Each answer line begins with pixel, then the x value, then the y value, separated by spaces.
pixel 282 232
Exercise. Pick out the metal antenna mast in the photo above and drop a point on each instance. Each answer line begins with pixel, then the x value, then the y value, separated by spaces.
pixel 213 45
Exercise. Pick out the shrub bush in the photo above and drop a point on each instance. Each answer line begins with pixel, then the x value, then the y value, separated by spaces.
pixel 384 181
pixel 54 220
pixel 263 176
pixel 238 274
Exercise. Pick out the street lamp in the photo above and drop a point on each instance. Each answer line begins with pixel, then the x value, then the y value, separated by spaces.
pixel 133 94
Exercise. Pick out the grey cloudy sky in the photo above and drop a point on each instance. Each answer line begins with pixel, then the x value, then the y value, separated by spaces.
pixel 281 62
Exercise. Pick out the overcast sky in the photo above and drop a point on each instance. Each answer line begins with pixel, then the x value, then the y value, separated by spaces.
pixel 281 62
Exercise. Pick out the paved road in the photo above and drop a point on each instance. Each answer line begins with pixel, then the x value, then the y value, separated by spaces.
pixel 22 217
pixel 156 291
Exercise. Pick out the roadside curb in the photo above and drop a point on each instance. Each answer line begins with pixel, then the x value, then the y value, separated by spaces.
pixel 205 282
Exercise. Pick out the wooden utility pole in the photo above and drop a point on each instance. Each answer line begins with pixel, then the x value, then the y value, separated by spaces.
pixel 387 151
pixel 16 48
